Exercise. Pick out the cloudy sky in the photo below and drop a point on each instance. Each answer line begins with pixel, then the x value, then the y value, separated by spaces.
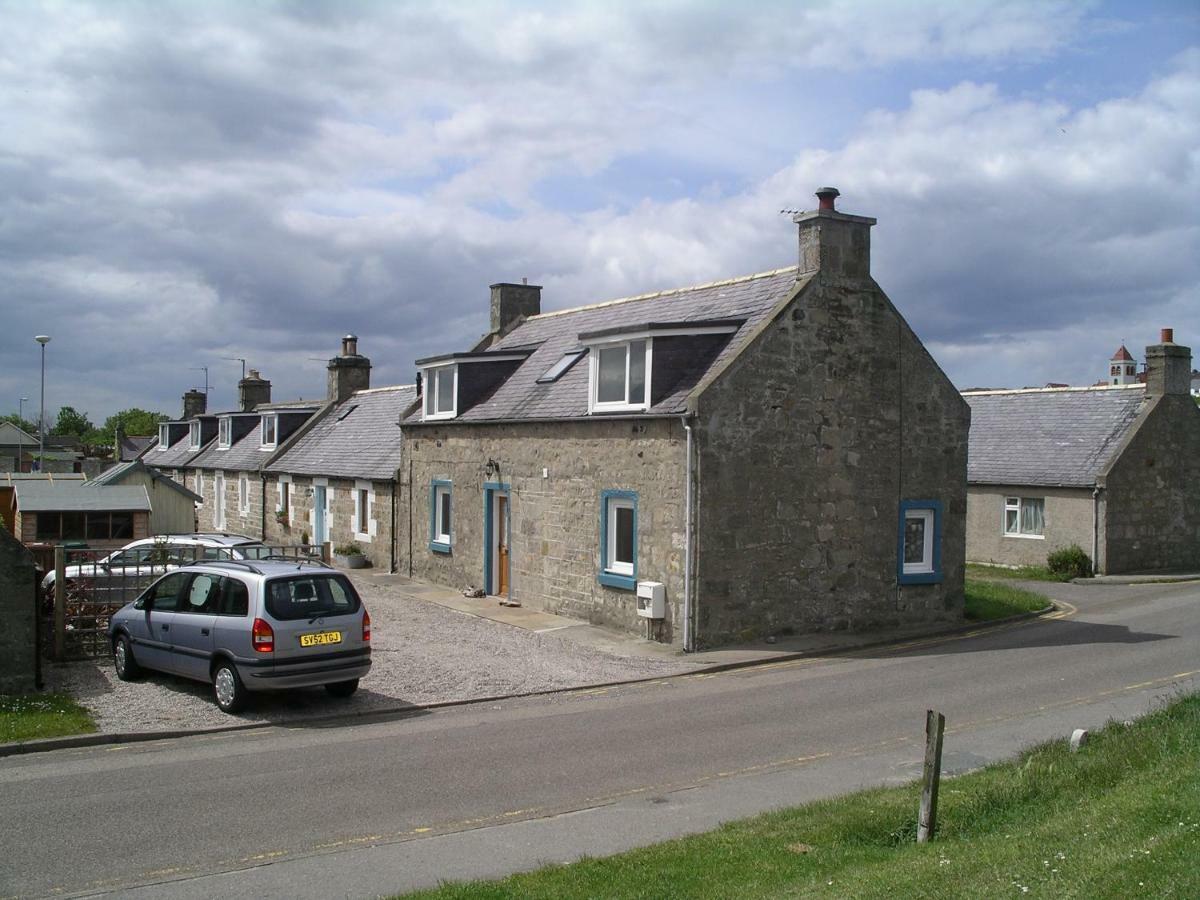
pixel 186 182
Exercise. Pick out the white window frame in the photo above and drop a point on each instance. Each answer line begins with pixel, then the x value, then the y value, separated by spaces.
pixel 925 566
pixel 432 377
pixel 164 437
pixel 364 508
pixel 629 404
pixel 243 493
pixel 219 501
pixel 224 433
pixel 612 564
pixel 194 435
pixel 441 533
pixel 200 482
pixel 283 498
pixel 1015 504
pixel 273 418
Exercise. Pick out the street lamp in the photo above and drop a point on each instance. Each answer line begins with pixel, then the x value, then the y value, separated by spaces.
pixel 42 339
pixel 21 433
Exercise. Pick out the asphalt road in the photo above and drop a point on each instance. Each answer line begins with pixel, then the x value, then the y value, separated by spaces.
pixel 376 807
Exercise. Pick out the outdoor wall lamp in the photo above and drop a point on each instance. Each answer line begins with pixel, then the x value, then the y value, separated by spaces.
pixel 492 468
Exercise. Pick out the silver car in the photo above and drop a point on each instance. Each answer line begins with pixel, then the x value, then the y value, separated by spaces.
pixel 247 626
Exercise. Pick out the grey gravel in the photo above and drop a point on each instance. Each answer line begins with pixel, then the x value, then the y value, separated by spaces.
pixel 422 653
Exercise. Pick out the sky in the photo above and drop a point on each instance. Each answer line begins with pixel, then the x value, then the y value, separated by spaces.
pixel 186 185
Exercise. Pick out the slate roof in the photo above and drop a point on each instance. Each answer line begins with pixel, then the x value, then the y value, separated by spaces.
pixel 1122 354
pixel 358 438
pixel 177 456
pixel 135 446
pixel 750 298
pixel 119 472
pixel 246 454
pixel 35 496
pixel 1048 437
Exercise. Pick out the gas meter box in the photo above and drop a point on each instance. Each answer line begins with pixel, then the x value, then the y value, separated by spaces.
pixel 651 599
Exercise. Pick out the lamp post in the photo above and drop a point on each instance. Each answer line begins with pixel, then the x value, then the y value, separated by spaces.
pixel 21 433
pixel 42 339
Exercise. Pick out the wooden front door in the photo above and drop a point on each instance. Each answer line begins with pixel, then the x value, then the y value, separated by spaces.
pixel 501 525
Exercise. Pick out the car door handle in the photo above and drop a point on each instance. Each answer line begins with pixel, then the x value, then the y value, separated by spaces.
pixel 204 631
pixel 165 627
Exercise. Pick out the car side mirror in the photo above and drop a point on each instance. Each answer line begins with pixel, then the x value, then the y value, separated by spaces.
pixel 142 603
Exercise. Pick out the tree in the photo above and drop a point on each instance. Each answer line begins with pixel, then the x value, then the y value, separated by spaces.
pixel 71 421
pixel 24 424
pixel 133 421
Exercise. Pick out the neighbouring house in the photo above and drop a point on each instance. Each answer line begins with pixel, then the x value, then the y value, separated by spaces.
pixel 9 479
pixel 15 444
pixel 228 470
pixel 764 455
pixel 59 511
pixel 1114 469
pixel 180 440
pixel 172 506
pixel 338 479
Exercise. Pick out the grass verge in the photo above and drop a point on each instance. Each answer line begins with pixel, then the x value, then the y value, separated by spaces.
pixel 987 600
pixel 1024 573
pixel 30 716
pixel 1119 819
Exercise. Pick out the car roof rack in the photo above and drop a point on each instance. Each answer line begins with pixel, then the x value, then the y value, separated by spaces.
pixel 298 560
pixel 235 563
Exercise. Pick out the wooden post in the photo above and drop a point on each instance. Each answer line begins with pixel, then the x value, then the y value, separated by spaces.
pixel 60 603
pixel 327 552
pixel 935 724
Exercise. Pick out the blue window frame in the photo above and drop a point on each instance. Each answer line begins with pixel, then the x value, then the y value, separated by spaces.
pixel 919 544
pixel 440 515
pixel 618 539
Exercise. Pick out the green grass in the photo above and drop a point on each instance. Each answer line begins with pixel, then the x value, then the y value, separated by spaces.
pixel 987 600
pixel 1119 819
pixel 31 716
pixel 1024 573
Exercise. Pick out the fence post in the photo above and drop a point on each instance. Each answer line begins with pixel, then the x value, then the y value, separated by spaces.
pixel 60 603
pixel 935 724
pixel 327 552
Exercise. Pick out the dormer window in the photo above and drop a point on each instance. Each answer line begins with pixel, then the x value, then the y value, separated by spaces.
pixel 194 435
pixel 619 379
pixel 270 431
pixel 441 392
pixel 224 433
pixel 164 437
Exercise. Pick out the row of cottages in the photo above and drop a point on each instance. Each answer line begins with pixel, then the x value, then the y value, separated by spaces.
pixel 770 454
pixel 299 472
pixel 1113 468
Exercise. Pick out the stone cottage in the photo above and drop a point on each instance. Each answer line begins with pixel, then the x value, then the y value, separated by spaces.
pixel 338 480
pixel 181 440
pixel 1114 469
pixel 770 454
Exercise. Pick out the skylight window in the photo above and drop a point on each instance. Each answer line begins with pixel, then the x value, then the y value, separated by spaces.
pixel 347 412
pixel 560 368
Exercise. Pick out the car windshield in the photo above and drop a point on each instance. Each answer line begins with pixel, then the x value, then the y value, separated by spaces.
pixel 306 596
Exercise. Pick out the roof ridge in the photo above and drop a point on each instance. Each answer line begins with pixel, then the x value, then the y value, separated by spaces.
pixel 380 390
pixel 678 290
pixel 1058 390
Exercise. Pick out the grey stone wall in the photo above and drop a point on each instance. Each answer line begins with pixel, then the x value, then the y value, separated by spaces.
pixel 807 446
pixel 1152 492
pixel 249 522
pixel 1068 520
pixel 376 540
pixel 555 472
pixel 17 588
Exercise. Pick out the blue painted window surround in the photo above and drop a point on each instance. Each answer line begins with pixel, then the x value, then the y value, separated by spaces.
pixel 440 515
pixel 919 544
pixel 618 539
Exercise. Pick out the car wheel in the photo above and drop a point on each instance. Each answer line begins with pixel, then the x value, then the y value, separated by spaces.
pixel 342 688
pixel 123 661
pixel 228 688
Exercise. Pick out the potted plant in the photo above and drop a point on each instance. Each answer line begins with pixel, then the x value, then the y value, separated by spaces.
pixel 350 556
pixel 281 517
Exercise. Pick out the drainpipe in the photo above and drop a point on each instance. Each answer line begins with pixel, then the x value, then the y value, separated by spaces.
pixel 1095 528
pixel 263 507
pixel 688 642
pixel 410 515
pixel 392 567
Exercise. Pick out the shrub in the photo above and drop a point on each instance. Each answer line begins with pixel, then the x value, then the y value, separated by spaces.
pixel 349 549
pixel 1069 562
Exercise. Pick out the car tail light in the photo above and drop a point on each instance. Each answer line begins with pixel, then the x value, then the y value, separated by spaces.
pixel 366 626
pixel 263 636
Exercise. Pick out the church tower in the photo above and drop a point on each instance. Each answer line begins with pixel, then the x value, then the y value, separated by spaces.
pixel 1122 368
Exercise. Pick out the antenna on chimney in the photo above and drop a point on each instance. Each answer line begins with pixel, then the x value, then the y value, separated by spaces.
pixel 203 369
pixel 790 212
pixel 237 359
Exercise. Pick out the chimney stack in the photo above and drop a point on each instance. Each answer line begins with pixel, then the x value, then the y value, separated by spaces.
pixel 510 301
pixel 195 403
pixel 837 244
pixel 349 372
pixel 253 390
pixel 1168 367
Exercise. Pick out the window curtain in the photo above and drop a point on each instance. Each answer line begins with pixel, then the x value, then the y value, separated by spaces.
pixel 1033 516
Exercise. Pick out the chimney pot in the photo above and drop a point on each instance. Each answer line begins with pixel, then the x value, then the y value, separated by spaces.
pixel 1167 336
pixel 348 373
pixel 350 345
pixel 826 196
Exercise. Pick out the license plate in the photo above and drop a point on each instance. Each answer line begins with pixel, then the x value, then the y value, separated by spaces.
pixel 321 637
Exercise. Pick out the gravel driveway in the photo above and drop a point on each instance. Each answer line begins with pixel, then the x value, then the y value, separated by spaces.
pixel 422 653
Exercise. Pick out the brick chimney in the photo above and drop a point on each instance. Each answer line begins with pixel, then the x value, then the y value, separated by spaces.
pixel 512 300
pixel 349 372
pixel 837 244
pixel 253 390
pixel 195 403
pixel 1168 367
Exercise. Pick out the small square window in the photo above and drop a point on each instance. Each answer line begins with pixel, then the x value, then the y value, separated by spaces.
pixel 1025 517
pixel 440 522
pixel 618 539
pixel 920 543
